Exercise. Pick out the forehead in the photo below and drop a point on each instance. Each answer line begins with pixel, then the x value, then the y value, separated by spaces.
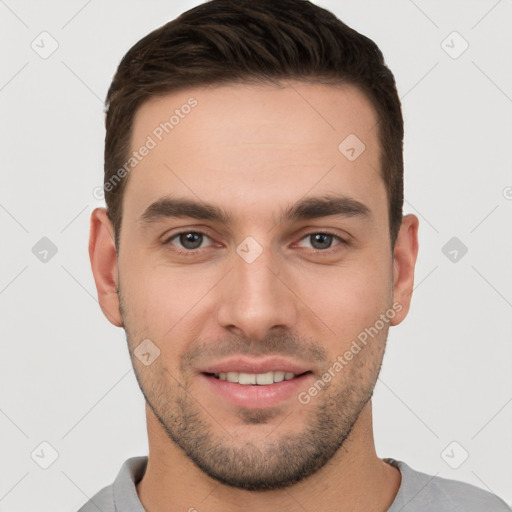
pixel 248 146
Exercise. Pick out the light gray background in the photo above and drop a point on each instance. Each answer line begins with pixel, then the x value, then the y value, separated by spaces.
pixel 66 374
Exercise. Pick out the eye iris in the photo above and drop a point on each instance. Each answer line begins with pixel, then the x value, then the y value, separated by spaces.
pixel 324 239
pixel 191 238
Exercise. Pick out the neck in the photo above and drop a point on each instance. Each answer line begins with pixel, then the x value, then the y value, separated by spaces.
pixel 355 478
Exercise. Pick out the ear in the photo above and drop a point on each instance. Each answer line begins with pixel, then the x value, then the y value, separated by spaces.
pixel 404 261
pixel 102 253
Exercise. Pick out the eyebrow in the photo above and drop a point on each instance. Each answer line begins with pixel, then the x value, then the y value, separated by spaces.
pixel 308 208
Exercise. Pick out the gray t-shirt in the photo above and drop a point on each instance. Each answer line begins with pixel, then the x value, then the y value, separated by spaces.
pixel 418 492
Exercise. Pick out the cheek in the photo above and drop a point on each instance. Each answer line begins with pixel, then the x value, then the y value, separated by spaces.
pixel 347 296
pixel 161 299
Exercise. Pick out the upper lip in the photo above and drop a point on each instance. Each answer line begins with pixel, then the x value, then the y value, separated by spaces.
pixel 255 365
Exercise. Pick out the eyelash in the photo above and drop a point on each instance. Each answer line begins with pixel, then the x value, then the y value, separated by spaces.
pixel 193 252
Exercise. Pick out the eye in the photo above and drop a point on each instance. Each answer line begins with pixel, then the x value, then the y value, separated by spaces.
pixel 322 241
pixel 189 241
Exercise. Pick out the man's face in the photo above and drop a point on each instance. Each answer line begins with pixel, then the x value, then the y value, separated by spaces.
pixel 258 292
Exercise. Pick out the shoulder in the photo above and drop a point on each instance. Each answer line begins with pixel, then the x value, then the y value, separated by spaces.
pixel 122 494
pixel 103 500
pixel 420 492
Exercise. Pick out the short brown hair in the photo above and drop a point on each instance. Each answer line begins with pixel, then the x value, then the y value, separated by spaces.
pixel 240 41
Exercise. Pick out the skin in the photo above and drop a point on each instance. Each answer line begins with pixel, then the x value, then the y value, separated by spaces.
pixel 254 150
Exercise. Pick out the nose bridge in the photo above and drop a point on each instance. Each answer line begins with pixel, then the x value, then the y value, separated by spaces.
pixel 255 299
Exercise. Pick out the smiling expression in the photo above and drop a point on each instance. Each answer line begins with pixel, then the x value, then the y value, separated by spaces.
pixel 253 251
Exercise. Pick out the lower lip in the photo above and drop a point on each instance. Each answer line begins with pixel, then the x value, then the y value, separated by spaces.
pixel 254 396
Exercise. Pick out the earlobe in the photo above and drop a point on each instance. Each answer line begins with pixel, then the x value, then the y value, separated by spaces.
pixel 404 262
pixel 102 253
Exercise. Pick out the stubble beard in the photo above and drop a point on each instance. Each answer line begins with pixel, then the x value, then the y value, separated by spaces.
pixel 281 460
pixel 275 463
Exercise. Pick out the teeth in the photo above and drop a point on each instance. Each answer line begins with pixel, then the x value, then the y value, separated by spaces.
pixel 265 378
pixel 262 379
pixel 278 376
pixel 232 377
pixel 246 378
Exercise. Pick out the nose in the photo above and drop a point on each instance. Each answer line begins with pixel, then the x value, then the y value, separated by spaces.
pixel 257 296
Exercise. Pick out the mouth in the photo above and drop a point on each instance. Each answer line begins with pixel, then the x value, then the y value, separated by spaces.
pixel 256 379
pixel 255 384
